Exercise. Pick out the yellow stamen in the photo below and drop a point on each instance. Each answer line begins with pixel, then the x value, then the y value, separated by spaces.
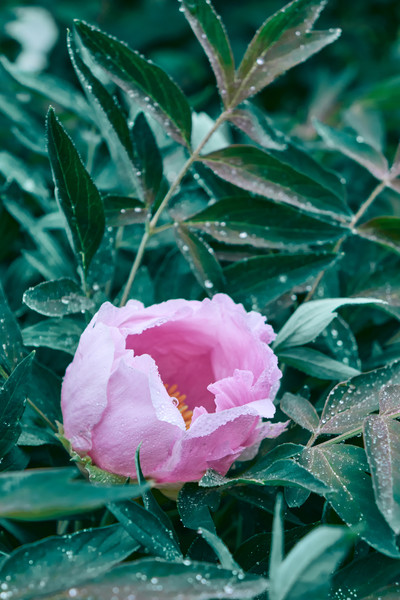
pixel 183 408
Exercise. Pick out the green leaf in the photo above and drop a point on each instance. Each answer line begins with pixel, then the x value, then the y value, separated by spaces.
pixel 211 33
pixel 201 259
pixel 258 280
pixel 29 180
pixel 311 318
pixel 57 298
pixel 224 556
pixel 282 42
pixel 343 469
pixel 149 85
pixel 300 410
pixel 263 224
pixel 316 364
pixel 149 579
pixel 42 494
pixel 53 88
pixel 262 173
pixel 306 572
pixel 54 563
pixel 258 126
pixel 365 575
pixel 278 539
pixel 76 193
pixel 382 445
pixel 58 334
pixel 355 148
pixel 194 505
pixel 148 159
pixel 12 404
pixel 123 210
pixel 11 339
pixel 349 403
pixel 146 529
pixel 110 118
pixel 383 230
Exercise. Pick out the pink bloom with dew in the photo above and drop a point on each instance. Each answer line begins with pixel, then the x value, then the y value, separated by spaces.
pixel 190 380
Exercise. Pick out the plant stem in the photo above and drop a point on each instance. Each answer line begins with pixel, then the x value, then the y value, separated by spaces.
pixel 151 224
pixel 41 414
pixel 363 208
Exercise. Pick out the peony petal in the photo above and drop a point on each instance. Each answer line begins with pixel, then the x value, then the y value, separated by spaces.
pixel 84 390
pixel 138 410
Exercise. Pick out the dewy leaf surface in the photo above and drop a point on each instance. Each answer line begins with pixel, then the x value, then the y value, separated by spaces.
pixel 344 470
pixel 350 402
pixel 57 298
pixel 147 83
pixel 76 193
pixel 282 42
pixel 355 148
pixel 382 445
pixel 55 563
pixel 211 33
pixel 259 172
pixel 263 224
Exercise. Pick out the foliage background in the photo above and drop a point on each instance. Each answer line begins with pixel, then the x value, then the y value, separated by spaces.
pixel 353 523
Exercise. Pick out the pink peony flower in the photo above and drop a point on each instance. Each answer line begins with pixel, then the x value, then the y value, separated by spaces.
pixel 190 380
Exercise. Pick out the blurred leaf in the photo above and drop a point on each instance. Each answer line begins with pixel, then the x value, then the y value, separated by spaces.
pixel 121 211
pixel 12 404
pixel 30 180
pixel 343 469
pixel 146 529
pixel 54 563
pixel 365 575
pixel 57 298
pixel 76 193
pixel 262 173
pixel 355 148
pixel 258 280
pixel 11 339
pixel 350 402
pixel 311 318
pixel 149 85
pixel 282 42
pixel 316 363
pixel 149 579
pixel 58 334
pixel 53 88
pixel 306 572
pixel 263 224
pixel 300 410
pixel 224 556
pixel 382 445
pixel 202 260
pixel 211 33
pixel 277 542
pixel 110 118
pixel 42 494
pixel 384 230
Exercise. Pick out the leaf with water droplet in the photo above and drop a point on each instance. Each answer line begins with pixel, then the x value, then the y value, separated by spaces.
pixel 151 87
pixel 212 35
pixel 300 410
pixel 58 334
pixel 355 148
pixel 57 298
pixel 261 279
pixel 311 318
pixel 11 339
pixel 54 563
pixel 201 259
pixel 266 174
pixel 382 445
pixel 263 224
pixel 343 468
pixel 12 404
pixel 283 41
pixel 77 195
pixel 315 363
pixel 350 402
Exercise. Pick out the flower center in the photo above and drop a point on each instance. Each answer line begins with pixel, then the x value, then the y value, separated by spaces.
pixel 179 398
